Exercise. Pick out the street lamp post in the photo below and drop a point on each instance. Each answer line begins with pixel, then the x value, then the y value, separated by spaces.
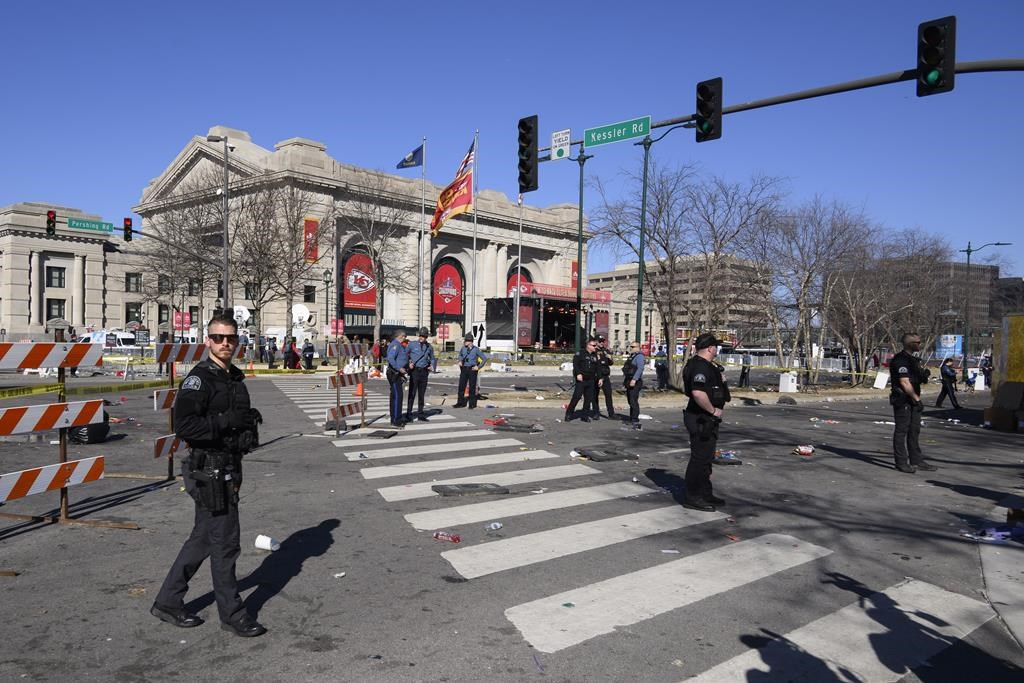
pixel 581 158
pixel 328 276
pixel 967 297
pixel 650 326
pixel 224 192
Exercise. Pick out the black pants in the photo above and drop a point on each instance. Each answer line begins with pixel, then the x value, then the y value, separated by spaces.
pixel 948 389
pixel 905 437
pixel 308 360
pixel 703 441
pixel 467 377
pixel 633 396
pixel 417 388
pixel 587 390
pixel 215 536
pixel 744 376
pixel 661 372
pixel 397 382
pixel 606 387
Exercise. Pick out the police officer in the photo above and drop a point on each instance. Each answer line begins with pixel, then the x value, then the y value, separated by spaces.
pixel 213 416
pixel 747 361
pixel 661 368
pixel 584 369
pixel 704 384
pixel 471 359
pixel 308 351
pixel 948 376
pixel 421 363
pixel 397 372
pixel 604 373
pixel 632 379
pixel 905 397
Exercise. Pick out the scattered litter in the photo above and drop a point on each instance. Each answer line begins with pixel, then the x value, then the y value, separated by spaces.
pixel 269 474
pixel 55 443
pixel 536 660
pixel 727 458
pixel 574 454
pixel 136 591
pixel 996 535
pixel 539 491
pixel 674 427
pixel 8 572
pixel 495 421
pixel 181 490
pixel 490 405
pixel 552 443
pixel 493 526
pixel 645 416
pixel 731 520
pixel 447 536
pixel 884 422
pixel 363 455
pixel 831 422
pixel 557 419
pixel 635 480
pixel 339 575
pixel 267 543
pixel 732 537
pixel 568 604
pixel 670 551
pixel 124 399
pixel 115 420
pixel 183 642
pixel 804 450
pixel 814 419
pixel 539 398
pixel 679 662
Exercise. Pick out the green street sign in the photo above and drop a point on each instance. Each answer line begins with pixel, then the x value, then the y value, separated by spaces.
pixel 616 132
pixel 97 226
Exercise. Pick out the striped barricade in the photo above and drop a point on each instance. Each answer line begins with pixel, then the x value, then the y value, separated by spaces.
pixel 31 355
pixel 346 350
pixel 163 399
pixel 187 353
pixel 41 418
pixel 348 379
pixel 166 446
pixel 50 478
pixel 333 414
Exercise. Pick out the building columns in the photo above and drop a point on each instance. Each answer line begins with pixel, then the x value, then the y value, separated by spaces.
pixel 501 270
pixel 78 300
pixel 35 290
pixel 491 271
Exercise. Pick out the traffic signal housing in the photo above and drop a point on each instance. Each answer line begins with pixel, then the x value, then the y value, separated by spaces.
pixel 709 110
pixel 127 229
pixel 936 56
pixel 51 223
pixel 528 181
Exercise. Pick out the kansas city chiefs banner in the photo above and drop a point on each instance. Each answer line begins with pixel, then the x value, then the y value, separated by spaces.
pixel 515 279
pixel 310 239
pixel 360 285
pixel 447 289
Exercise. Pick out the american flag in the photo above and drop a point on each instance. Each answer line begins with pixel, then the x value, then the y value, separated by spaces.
pixel 467 160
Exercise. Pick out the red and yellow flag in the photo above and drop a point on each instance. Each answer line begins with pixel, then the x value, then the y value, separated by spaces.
pixel 455 199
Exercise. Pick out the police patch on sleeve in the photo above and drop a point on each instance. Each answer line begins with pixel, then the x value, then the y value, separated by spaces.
pixel 192 382
pixel 904 369
pixel 699 378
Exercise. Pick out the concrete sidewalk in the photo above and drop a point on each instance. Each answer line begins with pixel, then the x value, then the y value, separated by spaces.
pixel 1003 569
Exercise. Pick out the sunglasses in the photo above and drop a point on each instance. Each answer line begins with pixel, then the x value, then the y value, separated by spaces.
pixel 221 338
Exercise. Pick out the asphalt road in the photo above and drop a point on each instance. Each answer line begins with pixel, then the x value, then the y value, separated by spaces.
pixel 830 561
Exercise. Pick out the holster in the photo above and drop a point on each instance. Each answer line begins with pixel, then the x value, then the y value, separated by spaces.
pixel 212 479
pixel 708 427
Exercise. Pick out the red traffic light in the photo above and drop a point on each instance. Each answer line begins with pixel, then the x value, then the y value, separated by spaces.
pixel 51 215
pixel 128 223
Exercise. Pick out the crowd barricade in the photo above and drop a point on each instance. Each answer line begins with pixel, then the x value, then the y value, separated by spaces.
pixel 338 412
pixel 60 416
pixel 345 352
pixel 166 446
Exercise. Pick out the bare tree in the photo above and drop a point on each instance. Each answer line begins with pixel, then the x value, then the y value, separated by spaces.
pixel 255 248
pixel 377 216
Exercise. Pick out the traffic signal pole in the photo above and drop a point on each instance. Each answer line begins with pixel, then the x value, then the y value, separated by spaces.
pixel 581 159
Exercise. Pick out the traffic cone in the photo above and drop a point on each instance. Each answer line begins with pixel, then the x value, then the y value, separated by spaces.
pixel 359 389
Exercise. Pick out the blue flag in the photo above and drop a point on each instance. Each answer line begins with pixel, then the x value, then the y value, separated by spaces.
pixel 412 159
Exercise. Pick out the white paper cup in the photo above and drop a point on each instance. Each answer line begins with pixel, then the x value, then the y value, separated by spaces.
pixel 267 543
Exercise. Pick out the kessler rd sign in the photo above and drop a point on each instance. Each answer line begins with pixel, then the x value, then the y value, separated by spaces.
pixel 617 132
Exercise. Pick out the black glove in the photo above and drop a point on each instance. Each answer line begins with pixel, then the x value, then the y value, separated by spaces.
pixel 235 420
pixel 255 416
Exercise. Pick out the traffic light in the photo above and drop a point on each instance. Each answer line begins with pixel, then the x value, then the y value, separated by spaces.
pixel 51 223
pixel 127 229
pixel 936 56
pixel 709 110
pixel 528 181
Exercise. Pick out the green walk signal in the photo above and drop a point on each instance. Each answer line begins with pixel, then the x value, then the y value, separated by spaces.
pixel 936 56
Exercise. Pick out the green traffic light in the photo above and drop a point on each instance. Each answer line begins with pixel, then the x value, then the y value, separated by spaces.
pixel 933 76
pixel 705 126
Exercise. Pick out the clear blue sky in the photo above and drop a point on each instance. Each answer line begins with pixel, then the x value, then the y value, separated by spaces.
pixel 100 96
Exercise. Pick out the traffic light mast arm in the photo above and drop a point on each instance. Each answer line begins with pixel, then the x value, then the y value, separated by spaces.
pixel 982 66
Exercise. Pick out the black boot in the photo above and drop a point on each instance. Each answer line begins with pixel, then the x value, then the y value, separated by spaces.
pixel 906 468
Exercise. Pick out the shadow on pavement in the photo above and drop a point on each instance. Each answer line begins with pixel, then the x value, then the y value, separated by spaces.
pixel 672 483
pixel 878 461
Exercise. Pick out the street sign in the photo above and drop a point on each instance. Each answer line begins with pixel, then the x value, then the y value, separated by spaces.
pixel 560 144
pixel 96 226
pixel 616 132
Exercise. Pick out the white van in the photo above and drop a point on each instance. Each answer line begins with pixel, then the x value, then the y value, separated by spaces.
pixel 111 339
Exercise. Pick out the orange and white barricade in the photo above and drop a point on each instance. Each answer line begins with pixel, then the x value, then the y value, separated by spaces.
pixel 166 446
pixel 32 355
pixel 346 410
pixel 347 379
pixel 25 419
pixel 345 350
pixel 163 399
pixel 50 478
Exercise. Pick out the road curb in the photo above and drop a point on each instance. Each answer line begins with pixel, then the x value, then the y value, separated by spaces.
pixel 1002 568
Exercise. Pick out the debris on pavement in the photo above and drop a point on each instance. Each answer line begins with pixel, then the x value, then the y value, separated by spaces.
pixel 339 575
pixel 805 450
pixel 493 526
pixel 447 536
pixel 568 604
pixel 670 551
pixel 996 535
pixel 732 537
pixel 727 458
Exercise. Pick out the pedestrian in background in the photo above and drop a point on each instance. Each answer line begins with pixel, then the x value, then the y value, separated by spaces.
pixel 661 368
pixel 421 362
pixel 308 351
pixel 161 368
pixel 747 361
pixel 397 372
pixel 272 352
pixel 905 397
pixel 633 380
pixel 584 369
pixel 470 360
pixel 947 374
pixel 604 373
pixel 705 385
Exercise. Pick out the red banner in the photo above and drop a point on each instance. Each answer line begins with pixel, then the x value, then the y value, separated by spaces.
pixel 455 199
pixel 575 274
pixel 448 289
pixel 310 239
pixel 525 335
pixel 601 323
pixel 511 289
pixel 563 293
pixel 182 320
pixel 360 286
pixel 442 332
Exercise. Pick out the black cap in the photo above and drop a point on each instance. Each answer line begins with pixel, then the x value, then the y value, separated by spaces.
pixel 600 338
pixel 469 337
pixel 424 332
pixel 705 340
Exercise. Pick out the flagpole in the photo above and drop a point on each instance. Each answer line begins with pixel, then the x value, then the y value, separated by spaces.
pixel 476 184
pixel 423 227
pixel 519 283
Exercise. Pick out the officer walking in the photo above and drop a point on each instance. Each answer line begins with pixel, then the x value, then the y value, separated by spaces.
pixel 421 363
pixel 471 359
pixel 397 372
pixel 584 369
pixel 704 384
pixel 905 397
pixel 213 415
pixel 948 376
pixel 604 373
pixel 748 360
pixel 632 378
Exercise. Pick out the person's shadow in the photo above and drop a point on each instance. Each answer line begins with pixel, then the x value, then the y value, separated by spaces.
pixel 279 567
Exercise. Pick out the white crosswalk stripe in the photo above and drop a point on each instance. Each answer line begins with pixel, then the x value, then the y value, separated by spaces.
pixel 417 436
pixel 400 451
pixel 424 467
pixel 415 427
pixel 311 396
pixel 424 489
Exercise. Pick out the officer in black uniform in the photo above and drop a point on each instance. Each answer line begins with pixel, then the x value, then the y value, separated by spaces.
pixel 421 362
pixel 908 374
pixel 604 373
pixel 947 373
pixel 704 384
pixel 584 369
pixel 213 416
pixel 633 380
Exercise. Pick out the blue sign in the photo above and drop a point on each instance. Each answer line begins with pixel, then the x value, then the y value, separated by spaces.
pixel 949 345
